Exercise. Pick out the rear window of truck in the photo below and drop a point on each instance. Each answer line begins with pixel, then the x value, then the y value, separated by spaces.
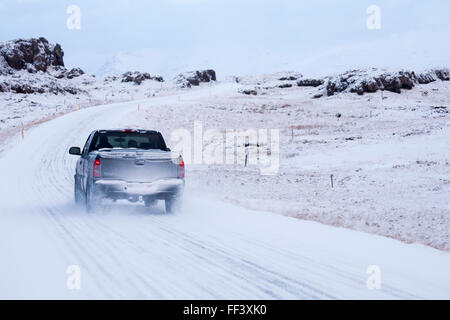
pixel 146 140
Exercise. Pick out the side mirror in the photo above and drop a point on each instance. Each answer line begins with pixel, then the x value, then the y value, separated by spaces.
pixel 168 149
pixel 76 151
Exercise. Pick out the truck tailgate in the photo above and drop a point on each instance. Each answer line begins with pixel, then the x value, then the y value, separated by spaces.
pixel 137 166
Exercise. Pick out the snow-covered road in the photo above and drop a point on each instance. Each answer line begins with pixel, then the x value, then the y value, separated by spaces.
pixel 210 250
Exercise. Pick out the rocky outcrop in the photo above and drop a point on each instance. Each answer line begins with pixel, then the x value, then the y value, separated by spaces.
pixel 73 73
pixel 249 92
pixel 31 54
pixel 138 77
pixel 34 65
pixel 62 73
pixel 285 85
pixel 373 80
pixel 135 77
pixel 270 80
pixel 194 78
pixel 290 78
pixel 310 82
pixel 441 74
pixel 39 87
pixel 22 82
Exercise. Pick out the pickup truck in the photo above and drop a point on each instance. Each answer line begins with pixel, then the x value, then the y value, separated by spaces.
pixel 127 164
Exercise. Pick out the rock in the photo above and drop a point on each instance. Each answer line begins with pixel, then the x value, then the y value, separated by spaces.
pixel 353 138
pixel 4 68
pixel 31 68
pixel 331 88
pixel 406 83
pixel 373 80
pixel 288 78
pixel 138 77
pixel 310 82
pixel 40 58
pixel 60 75
pixel 249 92
pixel 194 78
pixel 31 54
pixel 442 74
pixel 22 88
pixel 285 76
pixel 425 78
pixel 75 72
pixel 40 84
pixel 158 78
pixel 71 90
pixel 111 78
pixel 285 85
pixel 59 54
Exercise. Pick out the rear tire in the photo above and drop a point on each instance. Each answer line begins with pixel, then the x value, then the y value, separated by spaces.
pixel 78 194
pixel 91 199
pixel 172 205
pixel 149 203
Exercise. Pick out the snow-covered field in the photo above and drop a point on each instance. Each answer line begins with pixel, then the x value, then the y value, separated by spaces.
pixel 210 249
pixel 388 154
pixel 24 110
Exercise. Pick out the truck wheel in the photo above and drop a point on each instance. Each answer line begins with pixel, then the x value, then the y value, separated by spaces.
pixel 172 205
pixel 78 194
pixel 149 203
pixel 90 199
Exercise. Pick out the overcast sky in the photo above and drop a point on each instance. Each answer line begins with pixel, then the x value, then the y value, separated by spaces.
pixel 236 36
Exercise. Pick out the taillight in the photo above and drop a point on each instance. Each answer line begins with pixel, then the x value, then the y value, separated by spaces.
pixel 181 169
pixel 96 173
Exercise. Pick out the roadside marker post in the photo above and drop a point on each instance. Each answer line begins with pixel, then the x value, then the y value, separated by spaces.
pixel 23 133
pixel 139 107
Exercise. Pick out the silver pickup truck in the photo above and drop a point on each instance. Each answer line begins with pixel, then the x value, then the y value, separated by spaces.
pixel 133 165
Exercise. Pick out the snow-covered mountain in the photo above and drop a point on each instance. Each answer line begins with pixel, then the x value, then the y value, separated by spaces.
pixel 415 50
pixel 145 61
